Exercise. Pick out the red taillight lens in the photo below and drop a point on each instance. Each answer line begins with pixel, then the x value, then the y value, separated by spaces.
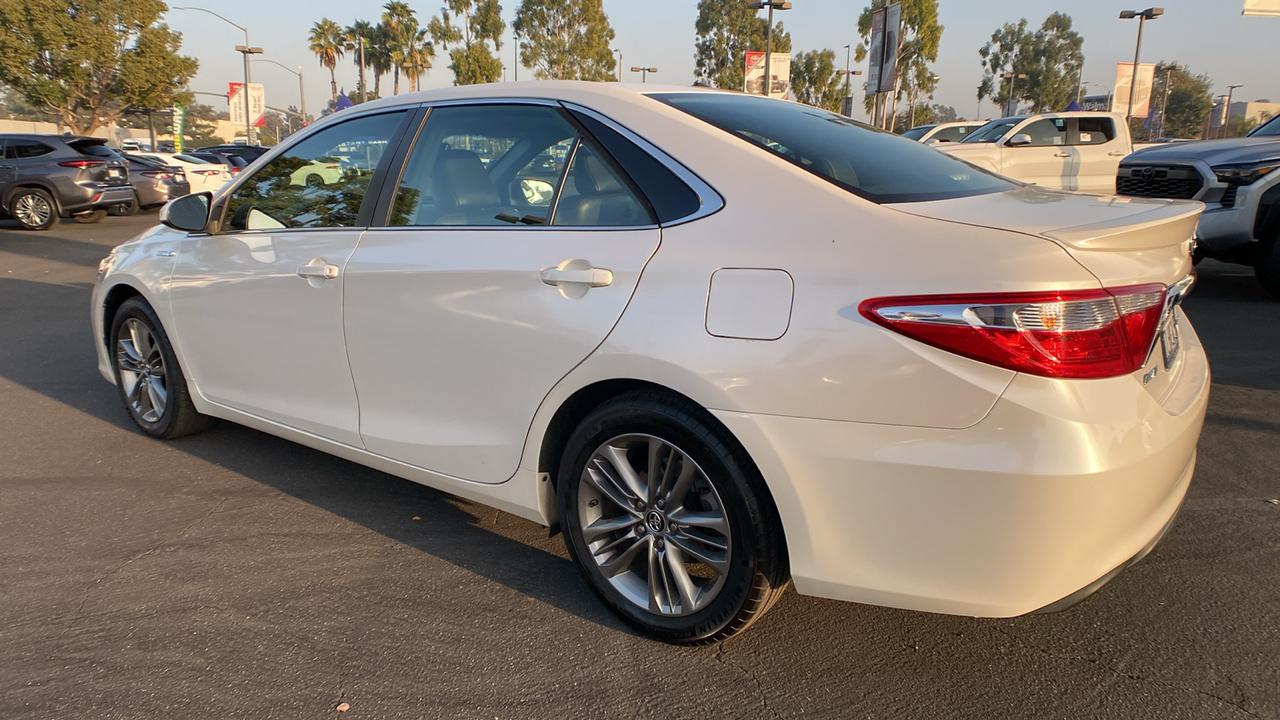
pixel 1067 334
pixel 160 174
pixel 82 163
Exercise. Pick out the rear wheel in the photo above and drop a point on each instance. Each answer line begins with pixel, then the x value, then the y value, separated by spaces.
pixel 124 208
pixel 669 521
pixel 88 217
pixel 33 208
pixel 1267 266
pixel 150 382
pixel 314 180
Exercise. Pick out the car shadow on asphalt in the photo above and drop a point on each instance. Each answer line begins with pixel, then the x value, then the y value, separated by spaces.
pixel 51 245
pixel 1238 324
pixel 495 545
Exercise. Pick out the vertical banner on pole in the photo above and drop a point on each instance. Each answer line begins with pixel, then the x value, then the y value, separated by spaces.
pixel 235 103
pixel 892 33
pixel 753 74
pixel 1142 98
pixel 179 123
pixel 875 55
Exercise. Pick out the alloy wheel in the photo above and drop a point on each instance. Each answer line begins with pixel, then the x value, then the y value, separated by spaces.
pixel 32 210
pixel 142 374
pixel 654 525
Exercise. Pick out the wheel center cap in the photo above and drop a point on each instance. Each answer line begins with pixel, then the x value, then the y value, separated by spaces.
pixel 654 521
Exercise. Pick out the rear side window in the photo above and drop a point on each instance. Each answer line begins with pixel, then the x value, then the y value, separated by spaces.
pixel 952 134
pixel 94 148
pixel 877 165
pixel 1046 132
pixel 1095 131
pixel 19 149
pixel 670 197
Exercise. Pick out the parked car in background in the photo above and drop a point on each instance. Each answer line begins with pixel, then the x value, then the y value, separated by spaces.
pixel 203 175
pixel 134 146
pixel 233 163
pixel 911 382
pixel 44 177
pixel 1069 150
pixel 248 152
pixel 942 132
pixel 154 184
pixel 1238 179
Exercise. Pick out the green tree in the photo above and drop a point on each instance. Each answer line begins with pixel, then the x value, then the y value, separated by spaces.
pixel 87 61
pixel 925 114
pixel 409 52
pixel 1190 100
pixel 816 81
pixel 377 51
pixel 327 43
pixel 727 29
pixel 199 125
pixel 917 47
pixel 565 39
pixel 357 39
pixel 1050 57
pixel 481 25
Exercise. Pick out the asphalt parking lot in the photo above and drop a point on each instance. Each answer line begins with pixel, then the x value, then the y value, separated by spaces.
pixel 232 574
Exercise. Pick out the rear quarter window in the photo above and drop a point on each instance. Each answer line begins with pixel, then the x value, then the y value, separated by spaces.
pixel 871 163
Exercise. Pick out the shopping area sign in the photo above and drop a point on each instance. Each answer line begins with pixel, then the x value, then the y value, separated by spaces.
pixel 236 97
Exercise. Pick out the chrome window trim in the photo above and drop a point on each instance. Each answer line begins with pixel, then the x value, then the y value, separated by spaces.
pixel 710 201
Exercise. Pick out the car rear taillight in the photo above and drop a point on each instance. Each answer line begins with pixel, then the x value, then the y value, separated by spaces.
pixel 1065 334
pixel 159 174
pixel 82 163
pixel 235 170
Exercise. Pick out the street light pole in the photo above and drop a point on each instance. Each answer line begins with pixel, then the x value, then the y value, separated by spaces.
pixel 1013 78
pixel 768 38
pixel 1226 119
pixel 302 96
pixel 644 72
pixel 1143 16
pixel 619 64
pixel 246 50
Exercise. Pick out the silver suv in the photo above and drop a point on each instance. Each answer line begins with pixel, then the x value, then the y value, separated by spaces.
pixel 1237 179
pixel 43 177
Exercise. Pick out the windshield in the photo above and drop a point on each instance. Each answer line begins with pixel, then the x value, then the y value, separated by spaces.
pixel 916 133
pixel 873 164
pixel 1270 129
pixel 992 131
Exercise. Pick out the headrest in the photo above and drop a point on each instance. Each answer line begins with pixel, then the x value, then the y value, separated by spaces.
pixel 460 181
pixel 591 176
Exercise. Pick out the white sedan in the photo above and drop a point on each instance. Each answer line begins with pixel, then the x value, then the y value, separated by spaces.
pixel 201 174
pixel 739 342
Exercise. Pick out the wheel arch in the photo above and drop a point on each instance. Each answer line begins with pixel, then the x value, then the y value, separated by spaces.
pixel 574 408
pixel 13 189
pixel 111 302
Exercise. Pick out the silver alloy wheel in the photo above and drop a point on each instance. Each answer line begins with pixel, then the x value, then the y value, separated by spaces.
pixel 141 367
pixel 654 524
pixel 32 210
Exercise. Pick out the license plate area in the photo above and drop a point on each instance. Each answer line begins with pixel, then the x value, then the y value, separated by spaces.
pixel 1170 343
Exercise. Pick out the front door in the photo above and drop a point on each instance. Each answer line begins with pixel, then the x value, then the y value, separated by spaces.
pixel 1048 161
pixel 512 247
pixel 258 307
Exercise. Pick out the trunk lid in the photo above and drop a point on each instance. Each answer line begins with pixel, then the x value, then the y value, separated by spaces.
pixel 113 172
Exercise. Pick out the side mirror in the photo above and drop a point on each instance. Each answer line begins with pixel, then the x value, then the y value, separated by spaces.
pixel 189 213
pixel 1019 140
pixel 932 141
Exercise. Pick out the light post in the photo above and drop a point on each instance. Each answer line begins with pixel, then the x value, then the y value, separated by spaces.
pixel 1104 87
pixel 1226 116
pixel 768 36
pixel 1164 107
pixel 302 96
pixel 619 64
pixel 1143 16
pixel 1012 78
pixel 515 53
pixel 644 72
pixel 846 108
pixel 246 50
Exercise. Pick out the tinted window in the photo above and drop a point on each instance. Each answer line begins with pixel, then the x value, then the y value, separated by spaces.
pixel 918 132
pixel 1095 131
pixel 19 149
pixel 595 194
pixel 1272 128
pixel 992 131
pixel 952 134
pixel 1046 132
pixel 96 148
pixel 668 196
pixel 874 164
pixel 307 186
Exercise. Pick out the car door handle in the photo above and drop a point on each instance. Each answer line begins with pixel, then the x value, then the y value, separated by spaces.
pixel 1062 154
pixel 1117 153
pixel 591 276
pixel 318 268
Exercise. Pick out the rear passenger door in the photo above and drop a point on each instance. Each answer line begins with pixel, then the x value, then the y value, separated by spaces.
pixel 1100 151
pixel 508 251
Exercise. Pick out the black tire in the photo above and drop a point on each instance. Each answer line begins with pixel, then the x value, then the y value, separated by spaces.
pixel 724 486
pixel 1267 267
pixel 89 217
pixel 146 370
pixel 314 180
pixel 33 208
pixel 124 209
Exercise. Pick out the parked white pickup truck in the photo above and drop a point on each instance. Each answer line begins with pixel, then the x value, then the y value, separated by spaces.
pixel 1067 150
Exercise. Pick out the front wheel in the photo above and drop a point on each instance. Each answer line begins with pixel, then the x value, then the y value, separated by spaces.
pixel 150 382
pixel 1267 266
pixel 669 521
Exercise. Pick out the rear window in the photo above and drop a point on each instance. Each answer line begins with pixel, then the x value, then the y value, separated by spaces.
pixel 916 133
pixel 874 164
pixel 94 148
pixel 191 159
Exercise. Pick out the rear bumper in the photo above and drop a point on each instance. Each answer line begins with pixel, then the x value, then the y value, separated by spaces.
pixel 87 196
pixel 1061 484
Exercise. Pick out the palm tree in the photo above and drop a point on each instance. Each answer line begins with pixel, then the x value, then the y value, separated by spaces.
pixel 326 43
pixel 417 58
pixel 377 55
pixel 357 39
pixel 402 27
